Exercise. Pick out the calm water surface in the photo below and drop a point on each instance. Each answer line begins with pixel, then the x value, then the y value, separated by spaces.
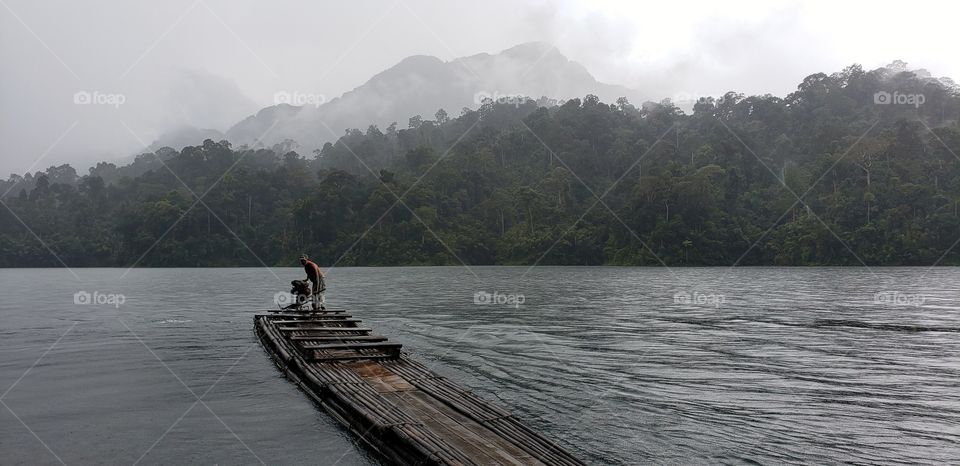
pixel 620 365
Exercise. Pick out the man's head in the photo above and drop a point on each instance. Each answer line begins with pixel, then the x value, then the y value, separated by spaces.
pixel 303 259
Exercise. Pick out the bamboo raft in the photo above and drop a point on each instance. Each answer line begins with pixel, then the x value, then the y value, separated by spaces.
pixel 395 405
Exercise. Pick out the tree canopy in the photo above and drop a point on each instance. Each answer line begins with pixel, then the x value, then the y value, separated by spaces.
pixel 829 174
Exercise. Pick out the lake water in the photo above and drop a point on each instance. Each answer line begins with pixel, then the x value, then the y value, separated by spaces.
pixel 620 365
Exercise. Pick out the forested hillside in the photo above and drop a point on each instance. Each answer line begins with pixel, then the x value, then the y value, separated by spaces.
pixel 518 183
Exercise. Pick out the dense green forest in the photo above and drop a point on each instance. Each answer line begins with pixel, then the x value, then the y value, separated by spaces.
pixel 837 172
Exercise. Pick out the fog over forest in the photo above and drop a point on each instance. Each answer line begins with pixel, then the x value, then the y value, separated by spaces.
pixel 190 69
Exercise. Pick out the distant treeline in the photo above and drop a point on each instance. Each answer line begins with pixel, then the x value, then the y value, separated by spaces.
pixel 875 170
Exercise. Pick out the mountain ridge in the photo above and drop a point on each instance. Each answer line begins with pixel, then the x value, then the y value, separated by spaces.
pixel 418 85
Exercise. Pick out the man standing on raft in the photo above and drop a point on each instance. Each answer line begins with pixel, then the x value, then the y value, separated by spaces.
pixel 318 285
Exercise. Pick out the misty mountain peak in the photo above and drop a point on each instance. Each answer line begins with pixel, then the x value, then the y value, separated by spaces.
pixel 532 50
pixel 417 63
pixel 422 84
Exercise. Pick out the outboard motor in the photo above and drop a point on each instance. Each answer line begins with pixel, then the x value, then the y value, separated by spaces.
pixel 300 289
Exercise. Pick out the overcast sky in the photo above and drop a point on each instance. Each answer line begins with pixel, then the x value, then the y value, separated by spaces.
pixel 209 63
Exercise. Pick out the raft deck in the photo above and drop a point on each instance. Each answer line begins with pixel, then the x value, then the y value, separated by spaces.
pixel 396 405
